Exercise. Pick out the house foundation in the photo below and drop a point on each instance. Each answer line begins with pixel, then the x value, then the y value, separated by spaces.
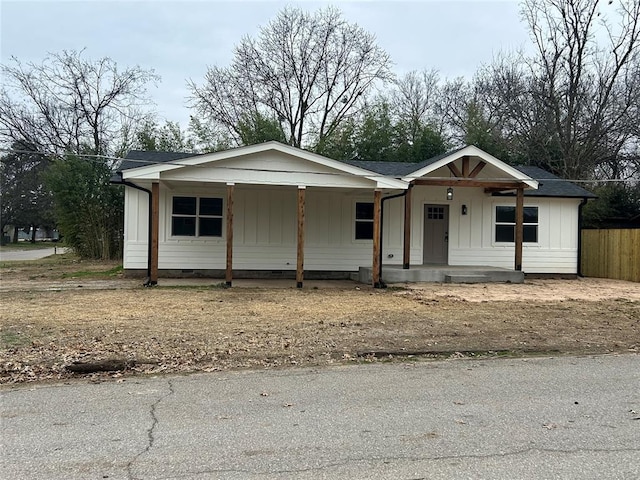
pixel 443 274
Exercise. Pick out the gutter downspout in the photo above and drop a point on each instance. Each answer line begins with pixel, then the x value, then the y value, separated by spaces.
pixel 582 204
pixel 398 195
pixel 147 282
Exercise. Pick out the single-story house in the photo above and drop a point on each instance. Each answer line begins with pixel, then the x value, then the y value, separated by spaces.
pixel 276 210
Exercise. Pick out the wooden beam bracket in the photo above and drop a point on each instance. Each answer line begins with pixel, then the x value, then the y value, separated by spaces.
pixel 454 169
pixel 465 167
pixel 477 169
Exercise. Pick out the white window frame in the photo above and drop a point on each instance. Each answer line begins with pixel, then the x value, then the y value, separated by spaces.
pixel 197 217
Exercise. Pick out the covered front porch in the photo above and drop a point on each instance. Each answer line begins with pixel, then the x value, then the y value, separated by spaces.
pixel 442 274
pixel 274 210
pixel 454 229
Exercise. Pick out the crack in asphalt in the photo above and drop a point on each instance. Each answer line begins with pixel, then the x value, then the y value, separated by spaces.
pixel 400 458
pixel 150 431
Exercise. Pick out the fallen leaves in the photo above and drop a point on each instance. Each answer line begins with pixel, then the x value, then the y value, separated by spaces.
pixel 41 332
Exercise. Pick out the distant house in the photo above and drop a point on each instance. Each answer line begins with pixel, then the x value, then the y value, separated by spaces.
pixel 41 234
pixel 275 210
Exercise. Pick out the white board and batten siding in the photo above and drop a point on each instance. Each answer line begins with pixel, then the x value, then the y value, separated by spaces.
pixel 556 250
pixel 472 236
pixel 136 229
pixel 265 231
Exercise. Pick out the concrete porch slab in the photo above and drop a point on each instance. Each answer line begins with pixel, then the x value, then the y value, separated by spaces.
pixel 443 273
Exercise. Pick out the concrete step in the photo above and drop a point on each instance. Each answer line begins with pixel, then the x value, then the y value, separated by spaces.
pixel 466 278
pixel 472 274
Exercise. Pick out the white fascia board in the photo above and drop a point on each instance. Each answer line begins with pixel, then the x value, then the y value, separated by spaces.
pixel 135 174
pixel 472 150
pixel 150 171
pixel 389 182
pixel 153 172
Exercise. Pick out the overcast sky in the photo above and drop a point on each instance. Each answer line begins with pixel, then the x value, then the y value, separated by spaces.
pixel 180 39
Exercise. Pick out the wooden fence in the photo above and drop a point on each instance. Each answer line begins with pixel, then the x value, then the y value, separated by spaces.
pixel 611 253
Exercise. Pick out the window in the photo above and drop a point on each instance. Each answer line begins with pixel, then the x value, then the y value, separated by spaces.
pixel 435 213
pixel 364 221
pixel 506 224
pixel 196 217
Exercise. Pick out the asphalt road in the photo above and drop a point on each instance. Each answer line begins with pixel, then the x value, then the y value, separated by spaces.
pixel 570 418
pixel 35 254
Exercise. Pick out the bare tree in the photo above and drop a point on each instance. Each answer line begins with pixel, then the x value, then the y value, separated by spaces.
pixel 70 104
pixel 309 71
pixel 71 107
pixel 451 107
pixel 499 109
pixel 415 101
pixel 587 79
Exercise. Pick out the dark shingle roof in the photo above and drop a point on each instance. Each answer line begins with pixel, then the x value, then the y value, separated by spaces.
pixel 139 158
pixel 399 169
pixel 549 184
pixel 429 161
pixel 391 169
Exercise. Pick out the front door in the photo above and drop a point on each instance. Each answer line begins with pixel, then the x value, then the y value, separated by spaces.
pixel 436 234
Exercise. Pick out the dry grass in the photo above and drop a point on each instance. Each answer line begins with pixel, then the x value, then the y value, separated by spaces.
pixel 204 329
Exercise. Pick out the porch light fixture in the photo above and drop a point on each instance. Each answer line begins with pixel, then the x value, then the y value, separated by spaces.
pixel 449 193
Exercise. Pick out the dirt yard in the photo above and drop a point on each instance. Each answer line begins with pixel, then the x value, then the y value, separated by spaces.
pixel 53 314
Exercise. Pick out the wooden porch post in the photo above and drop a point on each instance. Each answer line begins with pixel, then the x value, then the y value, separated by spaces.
pixel 229 270
pixel 377 202
pixel 155 229
pixel 300 253
pixel 519 227
pixel 406 249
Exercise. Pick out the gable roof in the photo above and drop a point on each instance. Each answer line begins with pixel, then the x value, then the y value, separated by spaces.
pixel 151 164
pixel 431 165
pixel 549 185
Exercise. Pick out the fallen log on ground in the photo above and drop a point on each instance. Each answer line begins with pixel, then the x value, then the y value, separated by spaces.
pixel 108 365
